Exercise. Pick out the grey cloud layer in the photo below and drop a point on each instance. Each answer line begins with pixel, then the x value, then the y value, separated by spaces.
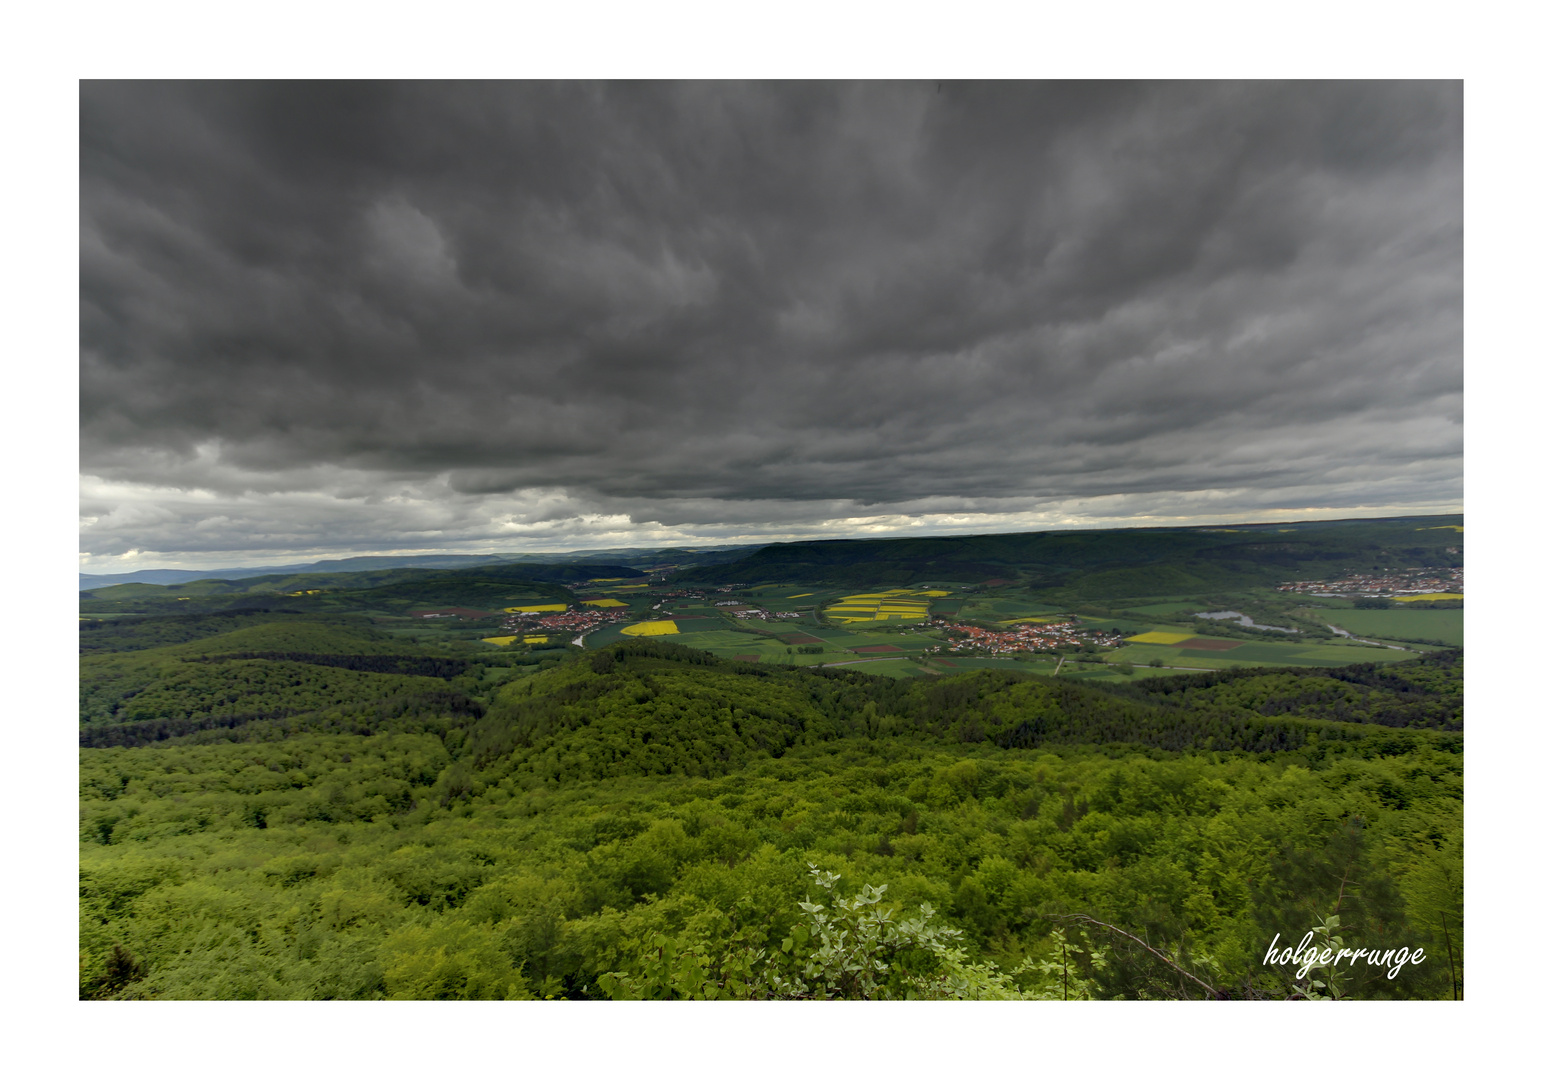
pixel 761 302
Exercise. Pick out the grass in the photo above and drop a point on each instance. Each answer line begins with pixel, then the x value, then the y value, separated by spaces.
pixel 731 641
pixel 603 636
pixel 1445 626
pixel 1256 654
pixel 894 667
pixel 958 664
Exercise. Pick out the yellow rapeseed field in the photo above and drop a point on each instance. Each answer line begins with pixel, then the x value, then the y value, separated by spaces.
pixel 1431 595
pixel 653 628
pixel 606 602
pixel 878 607
pixel 1160 637
pixel 535 639
pixel 501 640
pixel 529 609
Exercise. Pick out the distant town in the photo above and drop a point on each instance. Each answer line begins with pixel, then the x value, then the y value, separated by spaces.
pixel 1414 581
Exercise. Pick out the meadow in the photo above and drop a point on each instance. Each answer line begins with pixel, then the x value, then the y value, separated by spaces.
pixel 1404 624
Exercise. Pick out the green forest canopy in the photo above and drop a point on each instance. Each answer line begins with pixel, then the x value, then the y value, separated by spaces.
pixel 312 809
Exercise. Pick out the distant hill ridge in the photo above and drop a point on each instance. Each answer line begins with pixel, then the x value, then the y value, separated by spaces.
pixel 1101 563
pixel 608 556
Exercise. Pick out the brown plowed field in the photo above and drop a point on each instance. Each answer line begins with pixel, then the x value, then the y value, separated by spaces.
pixel 1209 644
pixel 801 639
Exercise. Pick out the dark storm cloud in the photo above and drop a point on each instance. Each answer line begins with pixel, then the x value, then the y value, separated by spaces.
pixel 363 312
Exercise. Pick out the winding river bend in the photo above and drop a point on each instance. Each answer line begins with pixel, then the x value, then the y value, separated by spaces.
pixel 1245 620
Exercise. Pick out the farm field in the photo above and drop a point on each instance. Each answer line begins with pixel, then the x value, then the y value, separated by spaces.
pixel 955 665
pixel 1162 637
pixel 1124 625
pixel 733 645
pixel 718 639
pixel 651 628
pixel 605 635
pixel 891 605
pixel 1169 608
pixel 894 667
pixel 1445 626
pixel 1253 654
pixel 1104 675
pixel 860 626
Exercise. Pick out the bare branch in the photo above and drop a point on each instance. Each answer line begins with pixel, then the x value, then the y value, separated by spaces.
pixel 1188 975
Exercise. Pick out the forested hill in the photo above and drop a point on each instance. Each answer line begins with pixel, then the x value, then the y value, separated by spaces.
pixel 349 592
pixel 315 808
pixel 361 563
pixel 1111 562
pixel 653 708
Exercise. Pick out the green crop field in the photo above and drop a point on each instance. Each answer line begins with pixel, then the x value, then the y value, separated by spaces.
pixel 1432 624
pixel 1251 654
pixel 1305 654
pixel 1164 609
pixel 729 644
pixel 895 668
pixel 606 635
pixel 958 664
pixel 842 639
pixel 1106 675
pixel 722 639
pixel 1128 627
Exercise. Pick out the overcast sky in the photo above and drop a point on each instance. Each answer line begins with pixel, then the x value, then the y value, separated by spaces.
pixel 336 319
